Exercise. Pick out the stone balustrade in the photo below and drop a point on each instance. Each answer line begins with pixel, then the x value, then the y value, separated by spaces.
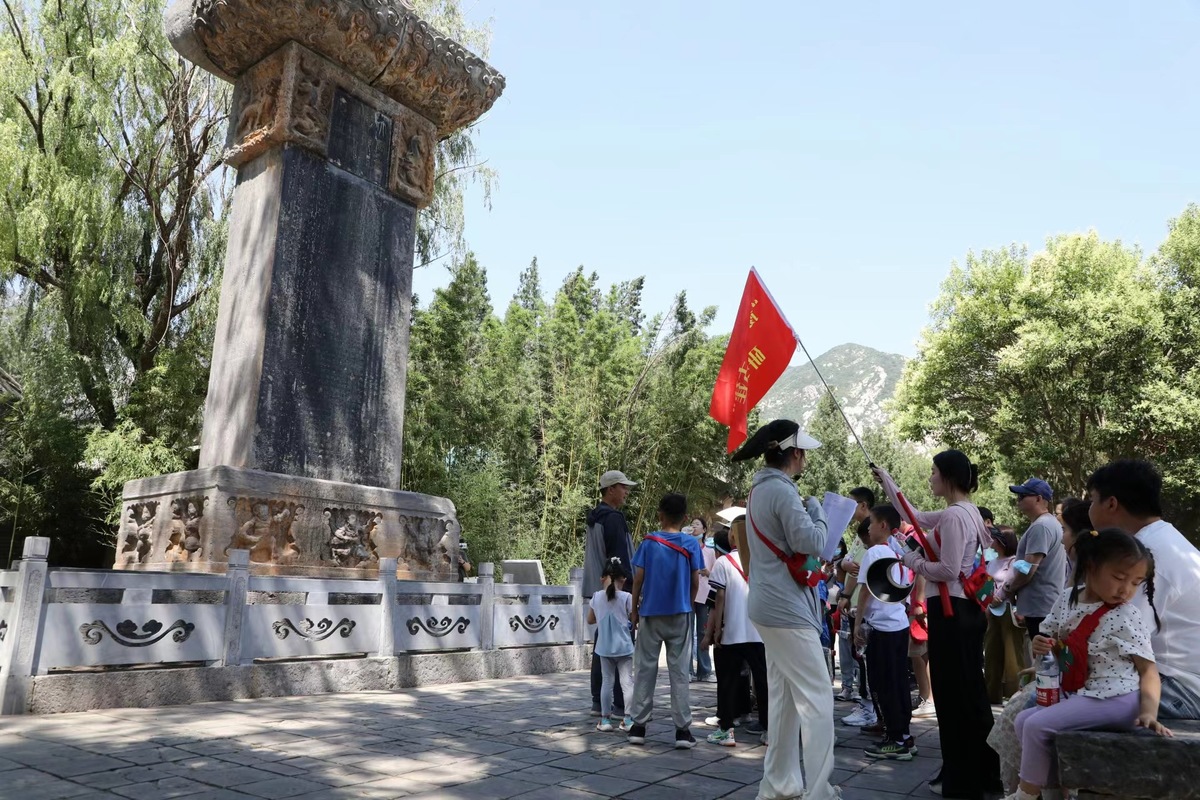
pixel 72 639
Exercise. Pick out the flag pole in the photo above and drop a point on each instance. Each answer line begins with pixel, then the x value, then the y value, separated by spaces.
pixel 838 405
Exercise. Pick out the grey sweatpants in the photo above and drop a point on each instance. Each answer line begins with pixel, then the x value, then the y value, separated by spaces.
pixel 674 631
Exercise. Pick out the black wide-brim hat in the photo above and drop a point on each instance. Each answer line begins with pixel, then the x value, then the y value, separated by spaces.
pixel 782 434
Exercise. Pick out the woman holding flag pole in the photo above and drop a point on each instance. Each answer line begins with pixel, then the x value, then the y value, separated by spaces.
pixel 783 533
pixel 957 624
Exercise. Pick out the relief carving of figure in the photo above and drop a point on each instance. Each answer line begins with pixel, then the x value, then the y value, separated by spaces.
pixel 414 164
pixel 421 535
pixel 312 103
pixel 139 528
pixel 350 544
pixel 183 536
pixel 265 534
pixel 259 109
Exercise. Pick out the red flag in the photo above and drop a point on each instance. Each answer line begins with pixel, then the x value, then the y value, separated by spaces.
pixel 760 349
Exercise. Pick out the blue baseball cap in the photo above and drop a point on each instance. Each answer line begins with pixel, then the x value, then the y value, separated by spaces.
pixel 1035 486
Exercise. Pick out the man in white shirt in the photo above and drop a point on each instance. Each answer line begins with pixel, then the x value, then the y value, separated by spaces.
pixel 1125 494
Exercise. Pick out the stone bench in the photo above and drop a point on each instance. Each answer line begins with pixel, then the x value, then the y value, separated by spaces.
pixel 1135 765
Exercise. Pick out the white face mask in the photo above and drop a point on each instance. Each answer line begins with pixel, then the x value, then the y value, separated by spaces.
pixel 709 542
pixel 990 555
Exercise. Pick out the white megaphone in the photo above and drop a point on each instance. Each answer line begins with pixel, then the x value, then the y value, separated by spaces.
pixel 889 581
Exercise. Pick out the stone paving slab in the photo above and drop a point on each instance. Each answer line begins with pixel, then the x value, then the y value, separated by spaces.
pixel 529 738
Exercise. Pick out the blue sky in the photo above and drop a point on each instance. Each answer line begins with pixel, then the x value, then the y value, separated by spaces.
pixel 850 151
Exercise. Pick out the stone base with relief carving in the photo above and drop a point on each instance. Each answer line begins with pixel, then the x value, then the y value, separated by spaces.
pixel 189 521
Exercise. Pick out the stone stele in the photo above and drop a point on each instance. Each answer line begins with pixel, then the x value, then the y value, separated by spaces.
pixel 338 107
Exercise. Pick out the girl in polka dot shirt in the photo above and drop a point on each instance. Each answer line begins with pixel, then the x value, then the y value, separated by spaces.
pixel 1102 642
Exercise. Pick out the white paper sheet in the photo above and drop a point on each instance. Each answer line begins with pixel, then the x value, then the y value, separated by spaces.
pixel 838 513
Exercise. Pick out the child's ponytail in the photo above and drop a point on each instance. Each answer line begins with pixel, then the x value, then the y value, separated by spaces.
pixel 612 571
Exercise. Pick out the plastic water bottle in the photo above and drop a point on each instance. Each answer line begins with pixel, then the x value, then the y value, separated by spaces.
pixel 1048 685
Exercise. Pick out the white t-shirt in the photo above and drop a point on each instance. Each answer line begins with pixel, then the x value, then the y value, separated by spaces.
pixel 886 617
pixel 1176 578
pixel 726 574
pixel 1121 634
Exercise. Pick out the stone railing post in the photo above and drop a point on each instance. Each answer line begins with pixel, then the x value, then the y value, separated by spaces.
pixel 577 601
pixel 237 579
pixel 16 671
pixel 387 607
pixel 487 602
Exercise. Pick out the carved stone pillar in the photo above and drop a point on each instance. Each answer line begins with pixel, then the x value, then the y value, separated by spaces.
pixel 338 107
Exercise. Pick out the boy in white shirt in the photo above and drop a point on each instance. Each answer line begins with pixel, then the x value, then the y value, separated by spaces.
pixel 736 641
pixel 886 644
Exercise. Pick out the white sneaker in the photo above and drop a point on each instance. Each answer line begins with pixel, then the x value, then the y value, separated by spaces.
pixel 924 709
pixel 860 717
pixel 712 722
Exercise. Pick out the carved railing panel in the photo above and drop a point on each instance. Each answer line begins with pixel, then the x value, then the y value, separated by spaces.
pixel 283 631
pixel 105 634
pixel 437 627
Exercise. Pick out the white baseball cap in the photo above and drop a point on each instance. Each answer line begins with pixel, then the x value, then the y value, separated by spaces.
pixel 613 477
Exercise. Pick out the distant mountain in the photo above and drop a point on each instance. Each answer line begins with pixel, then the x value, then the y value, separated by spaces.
pixel 862 379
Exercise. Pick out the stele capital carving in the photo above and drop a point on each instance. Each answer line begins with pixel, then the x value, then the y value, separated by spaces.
pixel 288 97
pixel 381 42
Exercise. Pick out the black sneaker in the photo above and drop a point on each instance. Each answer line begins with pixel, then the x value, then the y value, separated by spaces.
pixel 596 710
pixel 894 751
pixel 683 739
pixel 637 734
pixel 753 727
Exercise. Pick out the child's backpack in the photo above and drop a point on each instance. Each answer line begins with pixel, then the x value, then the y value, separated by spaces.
pixel 612 638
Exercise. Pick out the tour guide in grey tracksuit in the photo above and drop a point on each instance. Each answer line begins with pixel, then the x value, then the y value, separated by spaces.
pixel 788 616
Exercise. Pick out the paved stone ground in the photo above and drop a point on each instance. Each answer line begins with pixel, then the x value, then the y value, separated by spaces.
pixel 528 738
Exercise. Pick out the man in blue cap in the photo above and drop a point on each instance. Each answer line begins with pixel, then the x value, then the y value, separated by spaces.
pixel 1042 549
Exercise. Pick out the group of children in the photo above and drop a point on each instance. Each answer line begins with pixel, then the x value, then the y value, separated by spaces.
pixel 1102 640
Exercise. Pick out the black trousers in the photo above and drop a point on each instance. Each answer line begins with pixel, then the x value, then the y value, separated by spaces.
pixel 864 687
pixel 745 701
pixel 598 683
pixel 969 766
pixel 887 661
pixel 728 660
pixel 1033 625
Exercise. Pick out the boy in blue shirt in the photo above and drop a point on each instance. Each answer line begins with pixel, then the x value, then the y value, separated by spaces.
pixel 665 579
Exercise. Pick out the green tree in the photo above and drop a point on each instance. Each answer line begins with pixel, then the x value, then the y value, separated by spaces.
pixel 1052 364
pixel 834 467
pixel 547 398
pixel 1010 363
